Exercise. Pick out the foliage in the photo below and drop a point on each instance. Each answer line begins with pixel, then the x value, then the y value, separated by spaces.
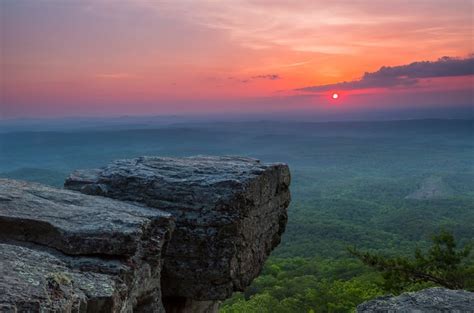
pixel 303 285
pixel 349 183
pixel 443 264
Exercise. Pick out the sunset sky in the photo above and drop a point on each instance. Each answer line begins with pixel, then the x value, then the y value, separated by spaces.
pixel 104 58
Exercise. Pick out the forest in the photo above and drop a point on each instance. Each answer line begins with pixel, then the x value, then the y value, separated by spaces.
pixel 384 187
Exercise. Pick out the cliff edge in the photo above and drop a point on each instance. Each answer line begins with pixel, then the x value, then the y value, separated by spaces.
pixel 148 234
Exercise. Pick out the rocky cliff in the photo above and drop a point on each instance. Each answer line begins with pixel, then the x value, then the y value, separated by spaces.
pixel 62 251
pixel 430 300
pixel 183 232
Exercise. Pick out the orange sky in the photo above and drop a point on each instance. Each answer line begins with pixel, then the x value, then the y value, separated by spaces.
pixel 90 57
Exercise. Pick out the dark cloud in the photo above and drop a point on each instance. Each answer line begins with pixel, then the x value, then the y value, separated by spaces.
pixel 248 80
pixel 268 76
pixel 403 75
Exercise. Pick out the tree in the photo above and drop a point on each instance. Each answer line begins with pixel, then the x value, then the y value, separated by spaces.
pixel 443 264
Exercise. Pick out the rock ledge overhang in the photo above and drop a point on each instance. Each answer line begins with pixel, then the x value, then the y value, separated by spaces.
pixel 230 213
pixel 141 235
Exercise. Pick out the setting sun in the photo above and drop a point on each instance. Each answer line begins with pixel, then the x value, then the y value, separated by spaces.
pixel 335 96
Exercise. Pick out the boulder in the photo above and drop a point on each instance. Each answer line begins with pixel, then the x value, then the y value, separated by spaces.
pixel 431 300
pixel 230 213
pixel 64 251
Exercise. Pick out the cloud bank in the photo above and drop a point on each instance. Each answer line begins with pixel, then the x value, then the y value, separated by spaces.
pixel 403 75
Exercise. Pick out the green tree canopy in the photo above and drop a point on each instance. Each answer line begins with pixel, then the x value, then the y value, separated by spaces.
pixel 443 264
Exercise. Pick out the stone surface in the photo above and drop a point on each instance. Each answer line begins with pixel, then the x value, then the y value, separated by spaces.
pixel 34 280
pixel 63 251
pixel 427 300
pixel 230 213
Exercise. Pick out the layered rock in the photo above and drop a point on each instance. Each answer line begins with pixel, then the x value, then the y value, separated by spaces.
pixel 431 300
pixel 230 213
pixel 64 251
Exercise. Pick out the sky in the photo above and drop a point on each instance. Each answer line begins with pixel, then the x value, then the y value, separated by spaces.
pixel 141 57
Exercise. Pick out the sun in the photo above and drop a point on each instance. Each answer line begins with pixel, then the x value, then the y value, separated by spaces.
pixel 335 95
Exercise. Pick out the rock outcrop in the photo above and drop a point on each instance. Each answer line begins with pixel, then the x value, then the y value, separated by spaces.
pixel 431 300
pixel 179 235
pixel 230 213
pixel 63 251
pixel 431 188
